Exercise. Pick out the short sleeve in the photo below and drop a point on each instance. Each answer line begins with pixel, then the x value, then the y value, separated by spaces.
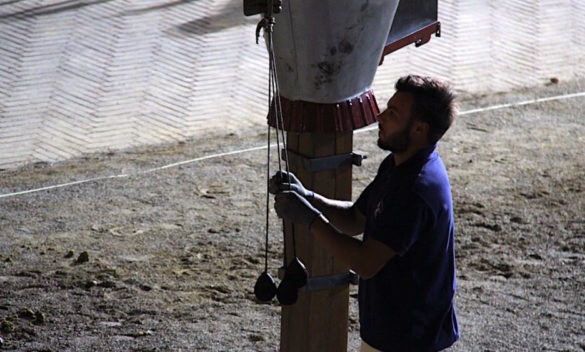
pixel 399 222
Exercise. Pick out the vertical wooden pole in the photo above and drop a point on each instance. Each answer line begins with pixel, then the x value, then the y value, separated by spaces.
pixel 318 321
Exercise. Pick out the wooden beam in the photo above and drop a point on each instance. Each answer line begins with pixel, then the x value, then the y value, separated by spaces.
pixel 319 319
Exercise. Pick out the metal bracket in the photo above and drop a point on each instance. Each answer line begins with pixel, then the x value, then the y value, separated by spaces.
pixel 328 282
pixel 319 283
pixel 255 7
pixel 324 163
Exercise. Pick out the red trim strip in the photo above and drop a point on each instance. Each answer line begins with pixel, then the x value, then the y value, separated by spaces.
pixel 349 115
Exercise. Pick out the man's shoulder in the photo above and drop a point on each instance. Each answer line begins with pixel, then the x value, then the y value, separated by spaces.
pixel 433 171
pixel 432 181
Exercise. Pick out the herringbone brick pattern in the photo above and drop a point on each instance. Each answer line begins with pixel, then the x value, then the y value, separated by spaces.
pixel 86 76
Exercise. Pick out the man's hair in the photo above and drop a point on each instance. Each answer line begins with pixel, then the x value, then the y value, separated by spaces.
pixel 433 103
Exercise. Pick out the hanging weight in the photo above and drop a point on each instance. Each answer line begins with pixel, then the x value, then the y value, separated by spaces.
pixel 265 288
pixel 297 273
pixel 287 293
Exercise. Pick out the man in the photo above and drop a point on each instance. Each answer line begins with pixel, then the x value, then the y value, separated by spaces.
pixel 406 260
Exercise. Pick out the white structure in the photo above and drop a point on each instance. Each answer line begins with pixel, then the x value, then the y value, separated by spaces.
pixel 87 76
pixel 328 51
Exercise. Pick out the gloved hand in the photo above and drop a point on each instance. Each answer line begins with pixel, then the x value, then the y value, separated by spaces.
pixel 280 182
pixel 290 206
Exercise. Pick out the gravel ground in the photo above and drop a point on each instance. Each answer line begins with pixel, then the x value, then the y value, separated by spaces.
pixel 144 258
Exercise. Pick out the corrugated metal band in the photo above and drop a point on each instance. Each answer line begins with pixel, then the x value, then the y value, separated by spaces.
pixel 349 115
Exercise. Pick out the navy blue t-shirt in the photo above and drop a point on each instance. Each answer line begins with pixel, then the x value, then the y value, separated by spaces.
pixel 408 304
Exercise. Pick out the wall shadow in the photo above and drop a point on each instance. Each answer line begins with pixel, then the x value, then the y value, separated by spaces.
pixel 158 7
pixel 229 16
pixel 63 6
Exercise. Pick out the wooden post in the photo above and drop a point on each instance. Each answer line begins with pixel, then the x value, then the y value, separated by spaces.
pixel 318 321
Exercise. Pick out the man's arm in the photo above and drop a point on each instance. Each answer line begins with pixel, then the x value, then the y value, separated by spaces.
pixel 365 257
pixel 343 215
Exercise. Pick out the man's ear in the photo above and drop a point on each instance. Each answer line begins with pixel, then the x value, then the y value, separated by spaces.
pixel 422 128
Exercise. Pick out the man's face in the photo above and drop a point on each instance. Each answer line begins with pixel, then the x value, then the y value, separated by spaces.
pixel 395 123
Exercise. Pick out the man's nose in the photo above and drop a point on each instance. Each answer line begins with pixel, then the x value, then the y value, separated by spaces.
pixel 380 115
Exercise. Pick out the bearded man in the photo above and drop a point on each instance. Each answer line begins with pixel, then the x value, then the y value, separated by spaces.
pixel 406 258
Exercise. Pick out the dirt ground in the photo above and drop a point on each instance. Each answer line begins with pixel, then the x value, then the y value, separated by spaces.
pixel 166 260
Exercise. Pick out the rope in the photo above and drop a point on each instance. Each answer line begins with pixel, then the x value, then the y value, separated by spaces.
pixel 280 126
pixel 275 103
pixel 261 147
pixel 267 203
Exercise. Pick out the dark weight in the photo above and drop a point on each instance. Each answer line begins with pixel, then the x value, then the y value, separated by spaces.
pixel 287 293
pixel 265 288
pixel 296 273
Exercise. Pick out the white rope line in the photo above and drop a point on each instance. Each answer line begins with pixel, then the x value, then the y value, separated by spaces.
pixel 168 166
pixel 242 151
pixel 525 102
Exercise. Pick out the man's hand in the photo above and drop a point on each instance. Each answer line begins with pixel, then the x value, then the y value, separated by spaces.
pixel 290 206
pixel 287 181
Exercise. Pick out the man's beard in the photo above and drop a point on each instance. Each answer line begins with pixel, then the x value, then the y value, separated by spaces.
pixel 397 142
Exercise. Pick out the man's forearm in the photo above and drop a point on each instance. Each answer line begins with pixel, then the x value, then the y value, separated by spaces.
pixel 340 214
pixel 364 257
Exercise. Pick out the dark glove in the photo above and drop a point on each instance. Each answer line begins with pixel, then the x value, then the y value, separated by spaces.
pixel 290 206
pixel 280 182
